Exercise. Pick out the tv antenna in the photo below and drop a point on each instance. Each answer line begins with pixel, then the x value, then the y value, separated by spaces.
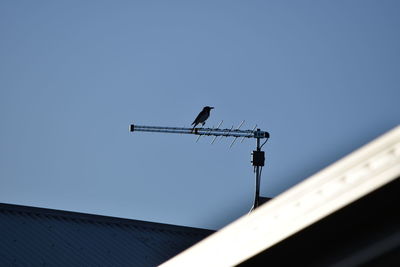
pixel 258 156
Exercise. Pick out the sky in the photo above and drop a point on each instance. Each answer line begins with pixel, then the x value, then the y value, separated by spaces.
pixel 322 77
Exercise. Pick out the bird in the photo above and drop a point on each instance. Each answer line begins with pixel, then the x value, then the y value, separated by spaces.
pixel 202 117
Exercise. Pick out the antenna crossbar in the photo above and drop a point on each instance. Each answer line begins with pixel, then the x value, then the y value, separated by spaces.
pixel 202 131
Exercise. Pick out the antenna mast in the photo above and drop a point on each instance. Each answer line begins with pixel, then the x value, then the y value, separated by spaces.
pixel 258 156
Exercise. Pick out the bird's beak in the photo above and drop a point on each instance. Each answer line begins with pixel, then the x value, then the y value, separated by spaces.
pixel 211 107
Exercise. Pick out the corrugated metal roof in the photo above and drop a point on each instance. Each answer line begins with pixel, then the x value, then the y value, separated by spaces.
pixel 32 236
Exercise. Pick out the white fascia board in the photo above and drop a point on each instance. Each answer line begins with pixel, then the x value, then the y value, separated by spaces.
pixel 336 186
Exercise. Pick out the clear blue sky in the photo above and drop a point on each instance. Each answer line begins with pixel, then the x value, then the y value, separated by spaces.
pixel 321 76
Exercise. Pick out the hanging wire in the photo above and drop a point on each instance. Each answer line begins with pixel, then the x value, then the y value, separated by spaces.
pixel 264 143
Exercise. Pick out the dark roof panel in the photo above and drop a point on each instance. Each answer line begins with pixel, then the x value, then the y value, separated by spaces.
pixel 37 236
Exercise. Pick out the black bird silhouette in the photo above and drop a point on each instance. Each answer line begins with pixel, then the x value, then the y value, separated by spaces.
pixel 202 117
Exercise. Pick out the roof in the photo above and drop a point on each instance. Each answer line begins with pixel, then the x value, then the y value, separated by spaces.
pixel 350 187
pixel 33 236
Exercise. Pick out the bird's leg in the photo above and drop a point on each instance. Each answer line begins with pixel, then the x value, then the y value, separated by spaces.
pixel 203 123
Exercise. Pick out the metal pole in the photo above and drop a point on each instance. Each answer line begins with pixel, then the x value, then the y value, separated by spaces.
pixel 257 171
pixel 257 194
pixel 258 162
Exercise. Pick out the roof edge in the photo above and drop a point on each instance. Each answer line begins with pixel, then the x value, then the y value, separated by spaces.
pixel 100 218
